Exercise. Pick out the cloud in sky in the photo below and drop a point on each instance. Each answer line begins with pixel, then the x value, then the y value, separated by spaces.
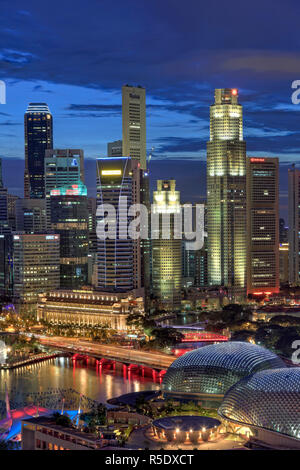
pixel 77 58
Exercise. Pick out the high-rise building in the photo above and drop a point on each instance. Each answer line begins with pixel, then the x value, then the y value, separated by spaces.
pixel 294 226
pixel 3 204
pixel 63 167
pixel 201 275
pixel 3 208
pixel 69 219
pixel 31 215
pixel 262 225
pixel 1 178
pixel 114 149
pixel 35 265
pixel 6 264
pixel 226 194
pixel 38 138
pixel 284 263
pixel 166 252
pixel 92 209
pixel 134 123
pixel 119 259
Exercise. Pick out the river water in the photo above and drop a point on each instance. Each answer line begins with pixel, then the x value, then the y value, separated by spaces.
pixel 60 373
pixel 87 379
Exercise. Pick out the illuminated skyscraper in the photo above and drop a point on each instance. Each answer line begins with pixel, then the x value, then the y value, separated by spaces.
pixel 69 219
pixel 63 167
pixel 166 253
pixel 226 194
pixel 38 138
pixel 134 123
pixel 294 226
pixel 262 225
pixel 119 259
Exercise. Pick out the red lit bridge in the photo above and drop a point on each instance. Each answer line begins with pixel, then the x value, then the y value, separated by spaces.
pixel 197 333
pixel 107 352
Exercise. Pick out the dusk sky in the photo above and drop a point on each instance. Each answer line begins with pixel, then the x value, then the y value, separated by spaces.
pixel 77 55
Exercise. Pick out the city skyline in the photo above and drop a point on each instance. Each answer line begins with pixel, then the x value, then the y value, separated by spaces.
pixel 178 79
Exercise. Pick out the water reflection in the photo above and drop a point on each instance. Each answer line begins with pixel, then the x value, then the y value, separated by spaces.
pixel 98 383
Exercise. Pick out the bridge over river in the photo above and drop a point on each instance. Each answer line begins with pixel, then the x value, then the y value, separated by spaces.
pixel 158 361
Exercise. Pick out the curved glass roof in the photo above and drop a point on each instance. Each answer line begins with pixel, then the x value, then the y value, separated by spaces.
pixel 269 399
pixel 215 368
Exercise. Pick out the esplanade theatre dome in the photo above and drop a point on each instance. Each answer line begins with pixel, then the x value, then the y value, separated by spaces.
pixel 268 401
pixel 207 373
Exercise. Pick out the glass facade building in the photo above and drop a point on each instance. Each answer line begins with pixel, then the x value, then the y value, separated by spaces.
pixel 69 218
pixel 207 373
pixel 38 138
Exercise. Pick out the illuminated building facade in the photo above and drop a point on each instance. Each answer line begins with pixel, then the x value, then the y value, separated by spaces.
pixel 6 264
pixel 166 253
pixel 69 218
pixel 119 259
pixel 63 167
pixel 81 307
pixel 226 194
pixel 294 226
pixel 38 138
pixel 283 263
pixel 134 123
pixel 262 225
pixel 35 265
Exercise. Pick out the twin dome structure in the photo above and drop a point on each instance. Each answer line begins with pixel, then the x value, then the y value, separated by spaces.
pixel 255 393
pixel 269 403
pixel 207 373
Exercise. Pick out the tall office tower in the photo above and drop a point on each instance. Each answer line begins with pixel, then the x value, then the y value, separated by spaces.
pixel 294 226
pixel 11 210
pixel 92 209
pixel 134 123
pixel 201 275
pixel 118 260
pixel 69 218
pixel 166 253
pixel 38 138
pixel 31 215
pixel 145 244
pixel 1 178
pixel 63 167
pixel 35 265
pixel 6 265
pixel 262 225
pixel 3 208
pixel 114 149
pixel 284 263
pixel 226 195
